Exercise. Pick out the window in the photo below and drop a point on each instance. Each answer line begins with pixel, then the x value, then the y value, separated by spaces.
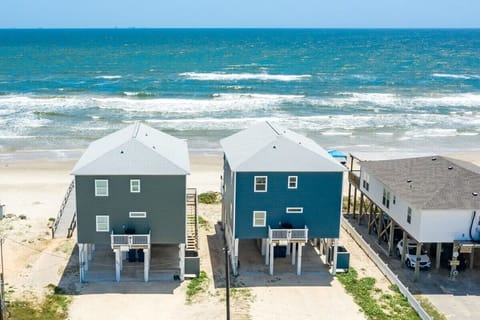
pixel 259 218
pixel 366 181
pixel 135 186
pixel 136 214
pixel 101 188
pixel 386 198
pixel 294 210
pixel 409 215
pixel 394 200
pixel 260 184
pixel 102 223
pixel 292 182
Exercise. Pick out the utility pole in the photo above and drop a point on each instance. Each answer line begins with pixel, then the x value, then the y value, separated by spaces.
pixel 227 282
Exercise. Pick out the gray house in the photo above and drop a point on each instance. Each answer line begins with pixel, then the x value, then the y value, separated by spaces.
pixel 279 188
pixel 131 194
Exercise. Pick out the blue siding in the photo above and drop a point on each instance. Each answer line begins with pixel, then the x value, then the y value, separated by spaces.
pixel 319 193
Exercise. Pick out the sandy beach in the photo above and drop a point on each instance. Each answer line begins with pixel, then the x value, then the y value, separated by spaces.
pixel 32 191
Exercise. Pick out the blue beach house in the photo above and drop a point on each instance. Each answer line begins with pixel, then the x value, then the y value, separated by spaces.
pixel 281 189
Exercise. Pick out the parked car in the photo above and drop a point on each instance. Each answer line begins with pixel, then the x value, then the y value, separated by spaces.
pixel 410 259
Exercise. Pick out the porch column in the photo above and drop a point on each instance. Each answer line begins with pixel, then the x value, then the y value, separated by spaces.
pixel 118 259
pixel 380 227
pixel 272 245
pixel 472 257
pixel 390 238
pixel 181 254
pixel 85 256
pixel 89 252
pixel 335 250
pixel 293 252
pixel 146 264
pixel 264 242
pixel 404 248
pixel 417 261
pixel 80 262
pixel 267 252
pixel 438 254
pixel 453 262
pixel 299 263
pixel 235 257
pixel 288 248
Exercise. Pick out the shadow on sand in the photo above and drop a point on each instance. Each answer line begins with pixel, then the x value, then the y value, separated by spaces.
pixel 254 273
pixel 101 278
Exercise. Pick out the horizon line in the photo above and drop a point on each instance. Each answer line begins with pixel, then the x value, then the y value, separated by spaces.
pixel 241 28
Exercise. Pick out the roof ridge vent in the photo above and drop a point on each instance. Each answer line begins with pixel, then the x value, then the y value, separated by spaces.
pixel 136 128
pixel 273 128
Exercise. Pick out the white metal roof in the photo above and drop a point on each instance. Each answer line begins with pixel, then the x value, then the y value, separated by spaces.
pixel 270 148
pixel 135 150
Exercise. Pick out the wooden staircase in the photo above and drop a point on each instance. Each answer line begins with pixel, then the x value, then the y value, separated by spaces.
pixel 192 220
pixel 65 222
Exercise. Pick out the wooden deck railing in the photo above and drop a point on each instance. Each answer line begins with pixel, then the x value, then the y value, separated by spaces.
pixel 288 234
pixel 62 207
pixel 354 178
pixel 130 240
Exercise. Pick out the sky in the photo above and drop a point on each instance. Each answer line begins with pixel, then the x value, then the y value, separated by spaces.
pixel 239 13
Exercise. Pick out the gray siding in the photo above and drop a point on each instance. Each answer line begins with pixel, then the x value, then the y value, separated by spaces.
pixel 162 197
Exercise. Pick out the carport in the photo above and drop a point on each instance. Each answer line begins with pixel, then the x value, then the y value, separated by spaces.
pixel 432 200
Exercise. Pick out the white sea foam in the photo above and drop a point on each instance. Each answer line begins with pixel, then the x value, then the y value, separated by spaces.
pixel 218 76
pixel 431 133
pixel 336 133
pixel 218 103
pixel 107 77
pixel 467 133
pixel 380 101
pixel 456 76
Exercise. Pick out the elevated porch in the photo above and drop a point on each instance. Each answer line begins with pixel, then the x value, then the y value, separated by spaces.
pixel 126 242
pixel 293 239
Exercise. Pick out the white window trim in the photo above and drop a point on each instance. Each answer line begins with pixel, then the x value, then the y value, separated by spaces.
pixel 294 210
pixel 264 218
pixel 131 185
pixel 296 182
pixel 96 190
pixel 137 214
pixel 107 229
pixel 255 183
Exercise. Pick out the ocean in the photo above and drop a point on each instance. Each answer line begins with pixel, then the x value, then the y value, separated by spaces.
pixel 379 91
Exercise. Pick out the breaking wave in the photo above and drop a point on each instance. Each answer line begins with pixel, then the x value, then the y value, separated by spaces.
pixel 219 76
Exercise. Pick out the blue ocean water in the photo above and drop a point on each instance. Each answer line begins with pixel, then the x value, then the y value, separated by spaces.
pixel 389 91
